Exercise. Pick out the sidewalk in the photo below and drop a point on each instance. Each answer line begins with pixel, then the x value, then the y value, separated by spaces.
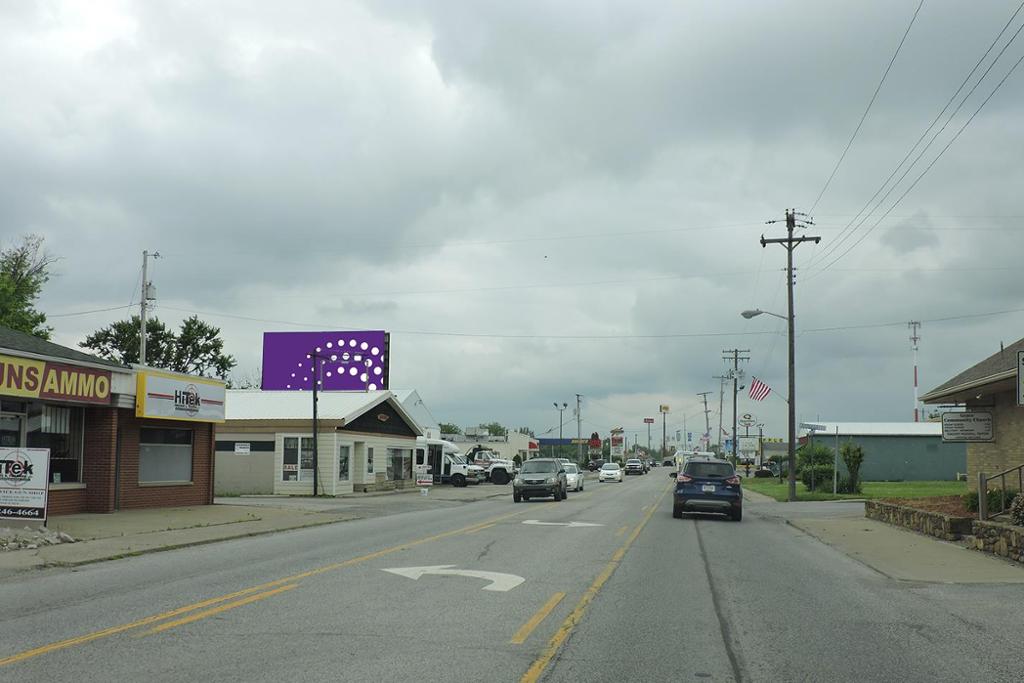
pixel 896 553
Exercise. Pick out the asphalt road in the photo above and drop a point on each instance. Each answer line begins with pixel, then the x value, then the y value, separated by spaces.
pixel 636 595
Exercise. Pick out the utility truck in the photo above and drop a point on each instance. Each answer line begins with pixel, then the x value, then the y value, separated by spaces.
pixel 499 470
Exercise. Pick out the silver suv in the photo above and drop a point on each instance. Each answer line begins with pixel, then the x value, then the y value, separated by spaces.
pixel 540 477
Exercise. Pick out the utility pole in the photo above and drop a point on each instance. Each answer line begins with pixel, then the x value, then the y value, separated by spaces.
pixel 914 338
pixel 317 368
pixel 579 430
pixel 148 295
pixel 707 417
pixel 721 399
pixel 648 436
pixel 664 431
pixel 735 372
pixel 791 243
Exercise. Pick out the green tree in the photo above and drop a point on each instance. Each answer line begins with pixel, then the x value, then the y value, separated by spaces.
pixel 818 454
pixel 853 456
pixel 495 428
pixel 449 428
pixel 196 349
pixel 24 269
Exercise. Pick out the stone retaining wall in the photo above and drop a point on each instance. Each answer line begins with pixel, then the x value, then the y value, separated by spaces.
pixel 1005 540
pixel 998 538
pixel 931 523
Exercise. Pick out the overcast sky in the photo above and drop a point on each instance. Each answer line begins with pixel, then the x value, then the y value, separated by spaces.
pixel 526 172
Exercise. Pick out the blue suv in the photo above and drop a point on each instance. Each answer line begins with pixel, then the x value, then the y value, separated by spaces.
pixel 708 485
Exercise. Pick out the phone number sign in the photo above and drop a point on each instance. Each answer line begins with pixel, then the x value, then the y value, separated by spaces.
pixel 24 482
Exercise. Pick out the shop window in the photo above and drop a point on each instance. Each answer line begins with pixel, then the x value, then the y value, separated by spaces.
pixel 399 463
pixel 369 461
pixel 344 452
pixel 59 429
pixel 165 455
pixel 298 459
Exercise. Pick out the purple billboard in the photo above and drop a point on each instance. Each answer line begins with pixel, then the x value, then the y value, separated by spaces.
pixel 340 361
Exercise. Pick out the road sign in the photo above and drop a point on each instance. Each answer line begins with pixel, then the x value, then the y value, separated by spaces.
pixel 748 444
pixel 498 581
pixel 24 483
pixel 537 522
pixel 423 476
pixel 663 408
pixel 648 420
pixel 970 426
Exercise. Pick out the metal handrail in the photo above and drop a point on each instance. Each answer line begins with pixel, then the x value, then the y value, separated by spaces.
pixel 983 511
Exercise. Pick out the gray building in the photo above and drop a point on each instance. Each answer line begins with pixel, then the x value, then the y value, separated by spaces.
pixel 895 451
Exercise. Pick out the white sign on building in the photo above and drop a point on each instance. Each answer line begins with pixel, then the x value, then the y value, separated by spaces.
pixel 179 397
pixel 24 482
pixel 975 425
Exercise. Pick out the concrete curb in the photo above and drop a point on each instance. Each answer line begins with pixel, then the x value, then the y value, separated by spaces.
pixel 52 564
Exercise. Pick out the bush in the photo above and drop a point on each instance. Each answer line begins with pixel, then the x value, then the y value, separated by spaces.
pixel 1017 509
pixel 846 485
pixel 817 454
pixel 995 500
pixel 822 477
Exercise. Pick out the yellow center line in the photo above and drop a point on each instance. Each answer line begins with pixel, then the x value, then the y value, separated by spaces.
pixel 115 630
pixel 217 610
pixel 621 531
pixel 526 629
pixel 479 528
pixel 536 669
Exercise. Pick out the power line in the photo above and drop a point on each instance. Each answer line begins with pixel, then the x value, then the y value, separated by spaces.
pixel 95 310
pixel 846 232
pixel 933 161
pixel 868 108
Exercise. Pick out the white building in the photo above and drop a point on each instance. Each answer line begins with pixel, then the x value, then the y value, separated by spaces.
pixel 365 442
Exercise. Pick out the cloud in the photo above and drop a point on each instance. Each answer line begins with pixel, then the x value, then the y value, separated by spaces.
pixel 526 173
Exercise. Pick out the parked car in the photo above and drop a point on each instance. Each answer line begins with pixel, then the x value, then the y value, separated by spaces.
pixel 634 466
pixel 573 477
pixel 595 465
pixel 708 485
pixel 540 477
pixel 610 471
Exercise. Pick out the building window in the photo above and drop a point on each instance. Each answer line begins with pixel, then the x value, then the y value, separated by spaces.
pixel 165 455
pixel 298 459
pixel 369 461
pixel 343 460
pixel 59 429
pixel 399 463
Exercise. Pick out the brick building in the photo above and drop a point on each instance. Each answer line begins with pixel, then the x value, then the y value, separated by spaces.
pixel 989 388
pixel 118 437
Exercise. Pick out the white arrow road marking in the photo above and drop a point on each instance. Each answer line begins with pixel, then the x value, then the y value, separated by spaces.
pixel 499 581
pixel 537 522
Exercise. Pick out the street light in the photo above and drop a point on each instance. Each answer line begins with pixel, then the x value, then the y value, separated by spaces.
pixel 792 393
pixel 757 311
pixel 559 408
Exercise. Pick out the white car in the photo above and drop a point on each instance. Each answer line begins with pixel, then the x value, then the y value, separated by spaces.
pixel 573 477
pixel 610 471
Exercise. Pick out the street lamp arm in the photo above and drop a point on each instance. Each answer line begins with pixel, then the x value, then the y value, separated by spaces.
pixel 757 311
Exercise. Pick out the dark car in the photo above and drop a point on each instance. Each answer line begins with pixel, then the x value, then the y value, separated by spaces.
pixel 595 465
pixel 668 462
pixel 540 477
pixel 708 485
pixel 634 466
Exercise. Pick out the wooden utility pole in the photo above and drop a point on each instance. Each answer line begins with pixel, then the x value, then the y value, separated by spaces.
pixel 793 219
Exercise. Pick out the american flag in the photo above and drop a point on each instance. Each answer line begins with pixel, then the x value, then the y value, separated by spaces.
pixel 758 389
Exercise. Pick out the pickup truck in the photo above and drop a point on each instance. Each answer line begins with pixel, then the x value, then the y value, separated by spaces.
pixel 498 470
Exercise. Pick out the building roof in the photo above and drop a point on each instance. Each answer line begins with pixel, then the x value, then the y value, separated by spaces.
pixel 342 406
pixel 998 367
pixel 876 428
pixel 27 343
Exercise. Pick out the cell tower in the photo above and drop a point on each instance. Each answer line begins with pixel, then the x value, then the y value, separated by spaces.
pixel 914 325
